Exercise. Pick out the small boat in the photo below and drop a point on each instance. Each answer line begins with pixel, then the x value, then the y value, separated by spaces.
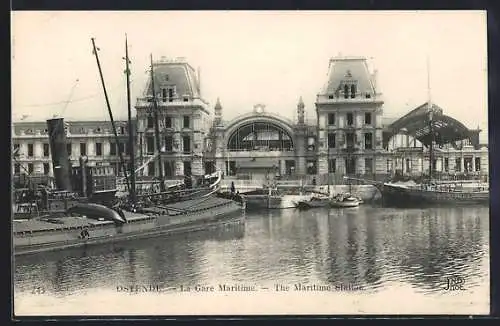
pixel 314 202
pixel 341 201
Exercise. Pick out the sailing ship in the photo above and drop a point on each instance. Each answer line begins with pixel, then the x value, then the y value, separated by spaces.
pixel 131 217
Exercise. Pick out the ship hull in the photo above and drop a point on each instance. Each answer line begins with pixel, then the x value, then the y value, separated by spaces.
pixel 274 201
pixel 136 228
pixel 308 204
pixel 401 196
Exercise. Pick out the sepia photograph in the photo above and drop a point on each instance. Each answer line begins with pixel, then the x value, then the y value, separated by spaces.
pixel 197 163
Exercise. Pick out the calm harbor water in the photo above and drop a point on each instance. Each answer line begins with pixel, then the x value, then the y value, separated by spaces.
pixel 361 260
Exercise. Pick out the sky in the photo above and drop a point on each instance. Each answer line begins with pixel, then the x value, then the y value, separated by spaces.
pixel 249 57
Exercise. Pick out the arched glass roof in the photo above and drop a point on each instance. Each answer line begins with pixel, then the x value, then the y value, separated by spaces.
pixel 417 123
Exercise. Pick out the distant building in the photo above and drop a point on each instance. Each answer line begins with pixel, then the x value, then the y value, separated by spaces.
pixel 349 113
pixel 184 120
pixel 95 139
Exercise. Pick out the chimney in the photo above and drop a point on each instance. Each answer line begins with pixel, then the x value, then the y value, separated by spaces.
pixel 60 160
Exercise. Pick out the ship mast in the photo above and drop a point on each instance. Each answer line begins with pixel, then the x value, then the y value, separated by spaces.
pixel 130 127
pixel 329 162
pixel 431 124
pixel 122 163
pixel 157 127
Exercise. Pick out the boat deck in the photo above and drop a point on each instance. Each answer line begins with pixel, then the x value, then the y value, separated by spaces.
pixel 79 222
pixel 66 222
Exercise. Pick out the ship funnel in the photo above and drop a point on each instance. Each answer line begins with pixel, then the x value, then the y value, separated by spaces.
pixel 60 159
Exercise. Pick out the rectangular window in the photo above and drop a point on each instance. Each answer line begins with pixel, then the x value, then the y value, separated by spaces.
pixel 187 168
pixel 350 165
pixel 112 149
pixel 311 167
pixel 46 168
pixel 477 164
pixel 30 168
pixel 169 168
pixel 368 140
pixel 164 94
pixel 98 149
pixel 17 168
pixel 186 144
pixel 368 118
pixel 46 150
pixel 186 121
pixel 349 139
pixel 83 149
pixel 170 94
pixel 150 144
pixel 331 140
pixel 389 165
pixel 458 164
pixel 331 119
pixel 368 165
pixel 168 122
pixel 16 147
pixel 30 150
pixel 332 165
pixel 169 144
pixel 121 148
pixel 446 164
pixel 350 119
pixel 408 167
pixel 68 148
pixel 151 169
pixel 150 122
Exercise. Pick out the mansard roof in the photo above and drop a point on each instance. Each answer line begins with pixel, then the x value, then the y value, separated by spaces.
pixel 349 69
pixel 177 72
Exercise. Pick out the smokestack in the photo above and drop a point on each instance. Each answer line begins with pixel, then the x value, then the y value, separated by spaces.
pixel 60 160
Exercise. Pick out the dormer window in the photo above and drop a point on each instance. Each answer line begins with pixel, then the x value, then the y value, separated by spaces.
pixel 346 91
pixel 353 91
pixel 368 95
pixel 330 97
pixel 166 77
pixel 186 99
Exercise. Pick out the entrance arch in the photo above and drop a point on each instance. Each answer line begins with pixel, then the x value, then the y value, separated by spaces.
pixel 264 132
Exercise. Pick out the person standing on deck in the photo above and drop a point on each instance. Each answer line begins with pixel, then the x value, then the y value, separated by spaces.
pixel 233 188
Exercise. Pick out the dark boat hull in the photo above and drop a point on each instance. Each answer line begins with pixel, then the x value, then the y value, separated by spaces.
pixel 401 196
pixel 107 232
pixel 308 204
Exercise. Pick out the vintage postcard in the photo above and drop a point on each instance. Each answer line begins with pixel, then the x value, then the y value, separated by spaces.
pixel 243 163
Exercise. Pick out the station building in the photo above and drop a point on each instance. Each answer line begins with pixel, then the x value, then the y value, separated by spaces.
pixel 349 136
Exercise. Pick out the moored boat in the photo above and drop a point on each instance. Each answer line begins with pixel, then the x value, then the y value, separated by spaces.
pixel 186 208
pixel 341 201
pixel 402 195
pixel 314 202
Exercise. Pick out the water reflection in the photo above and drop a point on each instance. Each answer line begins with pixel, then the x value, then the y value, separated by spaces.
pixel 366 246
pixel 166 262
pixel 420 247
